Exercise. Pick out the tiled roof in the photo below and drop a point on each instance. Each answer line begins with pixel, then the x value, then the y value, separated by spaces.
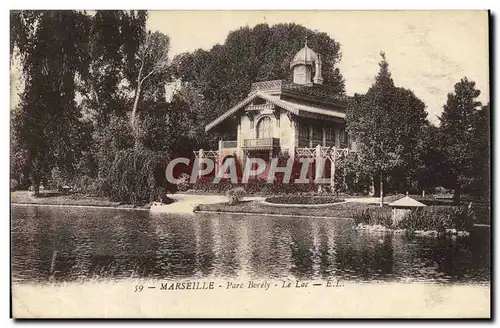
pixel 294 108
pixel 406 202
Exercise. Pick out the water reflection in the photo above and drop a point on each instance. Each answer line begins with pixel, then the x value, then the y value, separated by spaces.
pixel 66 244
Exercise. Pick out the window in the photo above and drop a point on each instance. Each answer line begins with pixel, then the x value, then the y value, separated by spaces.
pixel 317 133
pixel 317 136
pixel 303 131
pixel 265 128
pixel 330 137
pixel 343 138
pixel 303 135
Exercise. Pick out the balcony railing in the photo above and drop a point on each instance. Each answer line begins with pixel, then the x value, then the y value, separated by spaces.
pixel 261 143
pixel 303 142
pixel 228 144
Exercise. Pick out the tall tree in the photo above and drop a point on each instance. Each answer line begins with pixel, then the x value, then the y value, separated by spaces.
pixel 152 59
pixel 409 111
pixel 429 172
pixel 53 48
pixel 102 90
pixel 107 92
pixel 457 136
pixel 387 123
pixel 483 156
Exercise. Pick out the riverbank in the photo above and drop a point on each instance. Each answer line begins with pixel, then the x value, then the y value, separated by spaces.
pixel 362 210
pixel 23 197
pixel 365 215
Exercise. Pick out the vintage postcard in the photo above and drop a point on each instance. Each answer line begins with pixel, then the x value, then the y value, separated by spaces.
pixel 250 164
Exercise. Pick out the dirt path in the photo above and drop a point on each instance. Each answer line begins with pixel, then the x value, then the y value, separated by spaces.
pixel 365 200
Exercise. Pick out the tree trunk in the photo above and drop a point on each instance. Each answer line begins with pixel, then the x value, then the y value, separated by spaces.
pixel 133 121
pixel 376 185
pixel 456 195
pixel 134 109
pixel 36 186
pixel 371 187
pixel 381 190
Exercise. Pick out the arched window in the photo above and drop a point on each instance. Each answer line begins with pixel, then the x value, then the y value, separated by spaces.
pixel 264 128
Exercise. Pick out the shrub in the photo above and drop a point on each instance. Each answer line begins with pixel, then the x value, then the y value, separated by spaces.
pixel 184 185
pixel 84 184
pixel 303 199
pixel 425 219
pixel 13 184
pixel 235 195
pixel 462 218
pixel 137 176
pixel 373 216
pixel 300 188
pixel 259 185
pixel 438 218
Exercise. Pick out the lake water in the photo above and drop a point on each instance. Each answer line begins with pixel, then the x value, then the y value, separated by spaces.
pixel 73 244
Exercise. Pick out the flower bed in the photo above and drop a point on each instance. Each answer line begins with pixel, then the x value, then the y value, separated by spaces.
pixel 254 186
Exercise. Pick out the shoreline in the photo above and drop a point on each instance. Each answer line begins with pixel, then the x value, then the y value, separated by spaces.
pixel 341 210
pixel 186 203
pixel 122 207
pixel 274 214
pixel 477 225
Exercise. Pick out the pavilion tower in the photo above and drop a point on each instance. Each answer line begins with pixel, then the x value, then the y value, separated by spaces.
pixel 302 66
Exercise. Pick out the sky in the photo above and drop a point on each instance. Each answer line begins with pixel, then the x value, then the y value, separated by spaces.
pixel 428 52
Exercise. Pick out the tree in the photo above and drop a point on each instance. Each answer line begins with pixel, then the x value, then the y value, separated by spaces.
pixel 410 121
pixel 483 155
pixel 153 59
pixel 458 136
pixel 387 123
pixel 19 161
pixel 53 48
pixel 102 90
pixel 429 172
pixel 174 125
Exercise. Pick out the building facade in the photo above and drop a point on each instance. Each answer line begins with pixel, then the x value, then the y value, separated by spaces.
pixel 302 118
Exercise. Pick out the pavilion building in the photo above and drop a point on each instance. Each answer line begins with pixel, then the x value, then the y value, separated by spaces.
pixel 302 118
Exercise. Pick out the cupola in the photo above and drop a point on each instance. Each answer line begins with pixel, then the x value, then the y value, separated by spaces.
pixel 302 65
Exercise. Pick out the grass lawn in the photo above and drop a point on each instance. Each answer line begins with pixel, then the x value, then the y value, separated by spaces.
pixel 54 198
pixel 301 199
pixel 344 210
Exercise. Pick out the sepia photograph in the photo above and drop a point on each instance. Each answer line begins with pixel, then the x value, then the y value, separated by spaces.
pixel 250 164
